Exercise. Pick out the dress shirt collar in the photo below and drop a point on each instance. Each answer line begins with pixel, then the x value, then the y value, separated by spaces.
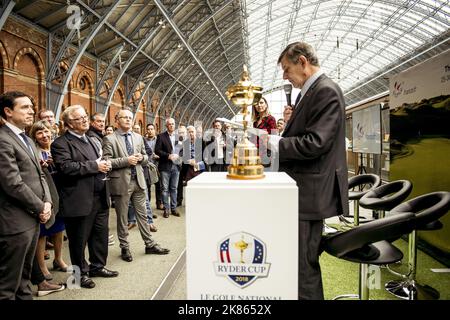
pixel 13 128
pixel 76 134
pixel 309 82
pixel 121 132
pixel 20 134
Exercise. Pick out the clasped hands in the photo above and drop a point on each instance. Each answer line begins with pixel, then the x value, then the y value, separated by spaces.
pixel 46 213
pixel 135 158
pixel 104 166
pixel 173 157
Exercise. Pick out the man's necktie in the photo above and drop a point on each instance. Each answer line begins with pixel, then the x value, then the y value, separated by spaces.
pixel 25 139
pixel 130 152
pixel 297 100
pixel 84 139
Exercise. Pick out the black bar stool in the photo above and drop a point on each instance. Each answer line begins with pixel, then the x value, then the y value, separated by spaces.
pixel 386 197
pixel 428 209
pixel 359 182
pixel 366 244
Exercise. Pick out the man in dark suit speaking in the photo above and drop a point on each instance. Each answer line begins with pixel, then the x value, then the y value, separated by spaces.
pixel 312 152
pixel 24 197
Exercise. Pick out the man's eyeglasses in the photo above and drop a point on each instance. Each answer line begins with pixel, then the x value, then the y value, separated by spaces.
pixel 80 118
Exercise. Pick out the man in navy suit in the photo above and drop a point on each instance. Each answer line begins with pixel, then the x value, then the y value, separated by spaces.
pixel 312 152
pixel 24 197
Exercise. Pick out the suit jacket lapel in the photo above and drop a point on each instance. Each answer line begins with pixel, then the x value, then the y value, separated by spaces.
pixel 96 145
pixel 300 105
pixel 135 139
pixel 24 147
pixel 121 143
pixel 75 142
pixel 169 142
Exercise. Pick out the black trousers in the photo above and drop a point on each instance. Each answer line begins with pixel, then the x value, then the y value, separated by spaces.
pixel 16 259
pixel 36 273
pixel 90 230
pixel 309 274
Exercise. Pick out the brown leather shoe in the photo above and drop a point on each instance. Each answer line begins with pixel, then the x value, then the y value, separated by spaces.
pixel 166 213
pixel 152 227
pixel 131 225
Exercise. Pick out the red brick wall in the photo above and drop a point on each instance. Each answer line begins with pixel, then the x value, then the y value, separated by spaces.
pixel 22 67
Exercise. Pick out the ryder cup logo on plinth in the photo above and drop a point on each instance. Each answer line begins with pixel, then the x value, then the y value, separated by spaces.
pixel 242 258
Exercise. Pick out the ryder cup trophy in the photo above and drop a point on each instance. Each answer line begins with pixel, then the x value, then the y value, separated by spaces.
pixel 246 163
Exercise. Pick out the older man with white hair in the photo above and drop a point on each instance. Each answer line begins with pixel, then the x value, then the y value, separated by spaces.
pixel 84 196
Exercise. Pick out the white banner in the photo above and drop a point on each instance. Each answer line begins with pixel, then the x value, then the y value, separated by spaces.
pixel 232 252
pixel 426 80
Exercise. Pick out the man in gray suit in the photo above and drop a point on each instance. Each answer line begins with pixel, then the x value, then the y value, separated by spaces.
pixel 126 151
pixel 24 197
pixel 312 152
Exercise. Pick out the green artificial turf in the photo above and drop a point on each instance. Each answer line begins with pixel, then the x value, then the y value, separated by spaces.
pixel 341 277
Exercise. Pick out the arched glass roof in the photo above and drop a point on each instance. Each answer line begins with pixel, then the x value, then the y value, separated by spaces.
pixel 354 39
pixel 184 54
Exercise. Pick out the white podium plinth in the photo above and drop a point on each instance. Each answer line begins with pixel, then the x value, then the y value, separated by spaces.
pixel 242 237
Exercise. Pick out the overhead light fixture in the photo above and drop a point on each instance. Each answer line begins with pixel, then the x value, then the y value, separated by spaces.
pixel 179 47
pixel 161 23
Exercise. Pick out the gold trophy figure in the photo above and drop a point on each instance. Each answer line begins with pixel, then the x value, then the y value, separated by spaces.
pixel 241 245
pixel 246 163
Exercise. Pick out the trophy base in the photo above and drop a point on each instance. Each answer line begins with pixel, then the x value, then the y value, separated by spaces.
pixel 245 172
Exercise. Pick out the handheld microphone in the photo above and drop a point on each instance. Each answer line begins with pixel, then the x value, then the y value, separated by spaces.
pixel 287 90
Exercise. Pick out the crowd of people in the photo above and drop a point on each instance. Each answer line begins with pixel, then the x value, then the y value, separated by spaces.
pixel 48 170
pixel 105 166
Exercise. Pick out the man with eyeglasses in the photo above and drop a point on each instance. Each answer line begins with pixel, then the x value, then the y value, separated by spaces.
pixel 126 151
pixel 84 195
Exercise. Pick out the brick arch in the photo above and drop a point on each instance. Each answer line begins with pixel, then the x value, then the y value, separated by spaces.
pixel 121 95
pixel 37 59
pixel 35 85
pixel 90 90
pixel 4 56
pixel 105 89
pixel 85 74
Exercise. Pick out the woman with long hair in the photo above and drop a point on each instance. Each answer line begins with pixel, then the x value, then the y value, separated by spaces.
pixel 41 133
pixel 262 119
